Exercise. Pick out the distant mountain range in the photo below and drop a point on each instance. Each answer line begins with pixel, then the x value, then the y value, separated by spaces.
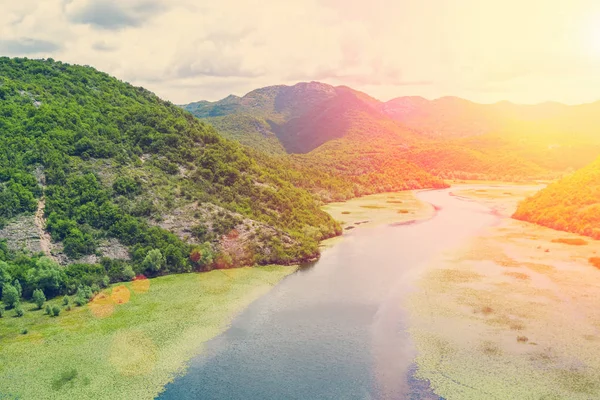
pixel 449 137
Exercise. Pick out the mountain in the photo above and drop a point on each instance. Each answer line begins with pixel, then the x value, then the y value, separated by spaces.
pixel 302 117
pixel 571 204
pixel 338 128
pixel 113 172
pixel 554 136
pixel 335 131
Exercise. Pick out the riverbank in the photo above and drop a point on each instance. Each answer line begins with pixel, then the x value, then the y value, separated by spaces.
pixel 511 313
pixel 129 342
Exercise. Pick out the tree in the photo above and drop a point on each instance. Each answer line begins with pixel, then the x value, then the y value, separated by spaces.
pixel 47 276
pixel 17 286
pixel 39 298
pixel 10 295
pixel 4 274
pixel 55 311
pixel 154 261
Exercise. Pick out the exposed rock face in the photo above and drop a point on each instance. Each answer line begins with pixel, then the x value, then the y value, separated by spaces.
pixel 239 243
pixel 21 234
pixel 27 234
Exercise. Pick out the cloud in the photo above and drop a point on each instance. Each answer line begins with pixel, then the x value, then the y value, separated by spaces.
pixel 186 50
pixel 104 46
pixel 217 67
pixel 112 14
pixel 25 46
pixel 372 77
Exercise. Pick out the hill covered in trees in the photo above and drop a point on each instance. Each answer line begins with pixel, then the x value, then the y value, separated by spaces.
pixel 556 137
pixel 571 204
pixel 447 137
pixel 333 131
pixel 133 185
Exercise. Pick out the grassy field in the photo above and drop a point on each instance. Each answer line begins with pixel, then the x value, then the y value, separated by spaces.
pixel 127 343
pixel 513 314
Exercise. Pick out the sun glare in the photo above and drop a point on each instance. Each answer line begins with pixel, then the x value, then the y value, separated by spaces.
pixel 593 39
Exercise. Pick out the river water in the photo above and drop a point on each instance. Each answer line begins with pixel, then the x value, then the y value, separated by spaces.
pixel 336 329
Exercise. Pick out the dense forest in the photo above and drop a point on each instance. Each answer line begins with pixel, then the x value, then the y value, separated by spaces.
pixel 114 163
pixel 571 204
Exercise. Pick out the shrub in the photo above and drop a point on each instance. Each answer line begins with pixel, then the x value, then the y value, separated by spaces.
pixel 24 331
pixel 1 312
pixel 66 377
pixel 125 185
pixel 154 261
pixel 595 261
pixel 19 311
pixel 55 311
pixel 38 298
pixel 66 301
pixel 48 309
pixel 83 296
pixel 10 295
pixel 128 273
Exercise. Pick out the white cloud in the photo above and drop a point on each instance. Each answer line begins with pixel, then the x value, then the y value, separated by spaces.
pixel 185 50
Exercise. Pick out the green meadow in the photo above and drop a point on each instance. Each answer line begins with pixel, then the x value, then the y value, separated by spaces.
pixel 130 341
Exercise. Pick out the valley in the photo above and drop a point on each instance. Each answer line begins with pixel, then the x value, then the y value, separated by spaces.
pixel 348 247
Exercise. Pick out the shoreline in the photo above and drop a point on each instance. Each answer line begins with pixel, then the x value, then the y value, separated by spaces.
pixel 126 346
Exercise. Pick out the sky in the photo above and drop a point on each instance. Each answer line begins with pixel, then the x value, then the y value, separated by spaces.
pixel 525 51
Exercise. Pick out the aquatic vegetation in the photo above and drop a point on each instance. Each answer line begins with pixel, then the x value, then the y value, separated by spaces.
pixel 595 261
pixel 518 275
pixel 570 241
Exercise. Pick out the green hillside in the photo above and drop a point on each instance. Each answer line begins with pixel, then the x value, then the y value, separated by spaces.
pixel 571 204
pixel 117 166
pixel 342 145
pixel 448 137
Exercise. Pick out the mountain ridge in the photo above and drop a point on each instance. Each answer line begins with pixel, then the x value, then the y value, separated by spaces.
pixel 544 142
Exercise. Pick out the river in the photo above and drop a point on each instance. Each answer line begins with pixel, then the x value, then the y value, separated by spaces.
pixel 336 328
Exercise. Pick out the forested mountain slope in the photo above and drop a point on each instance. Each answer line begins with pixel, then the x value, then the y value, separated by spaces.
pixel 556 137
pixel 118 165
pixel 449 137
pixel 333 131
pixel 571 204
pixel 305 115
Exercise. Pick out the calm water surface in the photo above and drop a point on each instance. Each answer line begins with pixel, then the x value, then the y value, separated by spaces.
pixel 336 328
